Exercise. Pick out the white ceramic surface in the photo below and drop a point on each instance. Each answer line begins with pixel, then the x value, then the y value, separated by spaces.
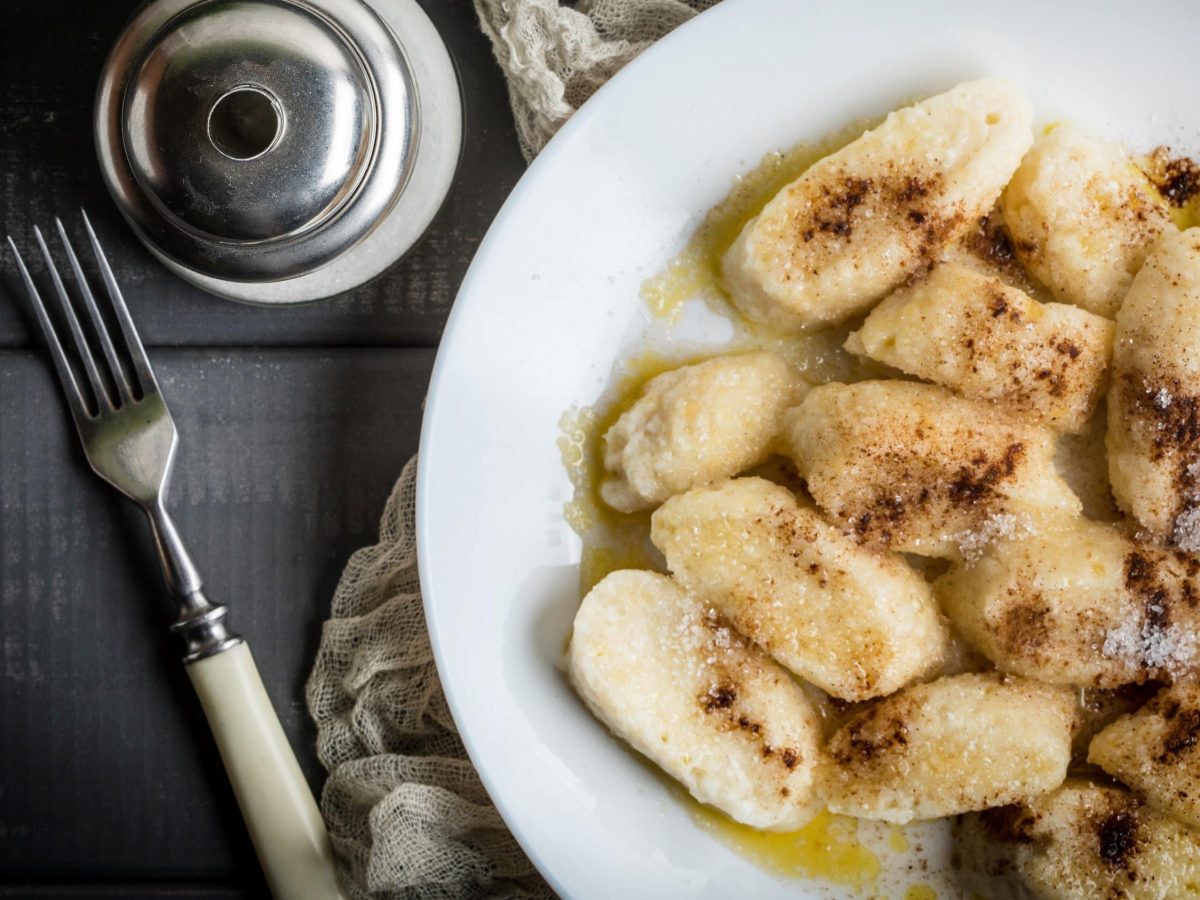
pixel 551 301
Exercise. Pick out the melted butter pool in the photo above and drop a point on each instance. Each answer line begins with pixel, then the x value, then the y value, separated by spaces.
pixel 827 847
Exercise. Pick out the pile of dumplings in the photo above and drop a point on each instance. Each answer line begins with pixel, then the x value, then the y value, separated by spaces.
pixel 987 651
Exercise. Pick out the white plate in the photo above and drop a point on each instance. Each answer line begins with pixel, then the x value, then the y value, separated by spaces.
pixel 551 301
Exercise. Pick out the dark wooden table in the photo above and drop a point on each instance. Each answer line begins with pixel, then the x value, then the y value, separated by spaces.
pixel 294 423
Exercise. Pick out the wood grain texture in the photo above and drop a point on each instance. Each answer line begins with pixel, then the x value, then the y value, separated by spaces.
pixel 51 52
pixel 107 769
pixel 127 891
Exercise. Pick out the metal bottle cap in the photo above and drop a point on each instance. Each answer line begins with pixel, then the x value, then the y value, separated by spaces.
pixel 278 150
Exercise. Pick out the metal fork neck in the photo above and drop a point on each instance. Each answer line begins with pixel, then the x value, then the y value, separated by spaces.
pixel 178 569
pixel 200 623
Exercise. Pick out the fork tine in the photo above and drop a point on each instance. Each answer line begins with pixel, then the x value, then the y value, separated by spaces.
pixel 70 387
pixel 106 345
pixel 133 343
pixel 81 344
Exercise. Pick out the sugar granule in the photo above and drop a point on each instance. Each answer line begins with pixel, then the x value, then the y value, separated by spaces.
pixel 973 542
pixel 1124 641
pixel 1187 529
pixel 1144 643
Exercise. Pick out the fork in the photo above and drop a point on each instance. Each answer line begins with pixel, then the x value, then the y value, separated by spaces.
pixel 129 439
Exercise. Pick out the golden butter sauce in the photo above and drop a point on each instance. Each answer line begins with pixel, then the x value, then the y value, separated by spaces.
pixel 825 848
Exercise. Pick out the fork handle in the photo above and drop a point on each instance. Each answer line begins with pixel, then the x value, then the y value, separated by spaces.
pixel 281 815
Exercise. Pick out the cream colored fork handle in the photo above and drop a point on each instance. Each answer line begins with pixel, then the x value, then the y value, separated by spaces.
pixel 281 815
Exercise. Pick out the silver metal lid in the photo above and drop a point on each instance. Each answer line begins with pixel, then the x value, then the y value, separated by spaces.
pixel 253 144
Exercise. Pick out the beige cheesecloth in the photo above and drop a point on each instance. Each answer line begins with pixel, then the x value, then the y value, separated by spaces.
pixel 555 55
pixel 406 811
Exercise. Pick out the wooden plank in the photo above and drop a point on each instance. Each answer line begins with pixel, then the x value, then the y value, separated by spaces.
pixel 50 57
pixel 130 891
pixel 286 458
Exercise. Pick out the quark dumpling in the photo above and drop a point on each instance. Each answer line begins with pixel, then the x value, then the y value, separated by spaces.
pixel 1083 218
pixel 682 688
pixel 915 468
pixel 855 623
pixel 1081 605
pixel 1156 752
pixel 695 425
pixel 1082 842
pixel 863 219
pixel 988 341
pixel 1154 402
pixel 953 745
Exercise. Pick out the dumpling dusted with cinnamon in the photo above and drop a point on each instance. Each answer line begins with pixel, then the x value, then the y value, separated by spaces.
pixel 1083 218
pixel 1081 604
pixel 862 220
pixel 695 425
pixel 988 341
pixel 1154 403
pixel 681 687
pixel 855 623
pixel 1082 842
pixel 1156 751
pixel 915 468
pixel 953 745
